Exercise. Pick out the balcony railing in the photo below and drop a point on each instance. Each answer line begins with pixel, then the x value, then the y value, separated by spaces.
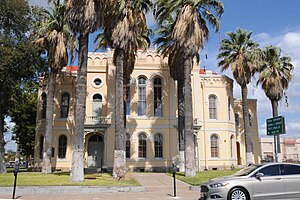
pixel 196 124
pixel 97 120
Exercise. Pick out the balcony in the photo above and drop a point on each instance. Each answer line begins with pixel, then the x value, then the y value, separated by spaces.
pixel 196 124
pixel 96 122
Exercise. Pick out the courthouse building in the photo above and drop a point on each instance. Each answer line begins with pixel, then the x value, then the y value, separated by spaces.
pixel 151 118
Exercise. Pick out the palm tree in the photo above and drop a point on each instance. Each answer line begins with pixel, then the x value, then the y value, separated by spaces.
pixel 52 34
pixel 175 64
pixel 188 36
pixel 125 28
pixel 239 52
pixel 83 17
pixel 275 74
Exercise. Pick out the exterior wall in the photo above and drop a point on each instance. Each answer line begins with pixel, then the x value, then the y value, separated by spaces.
pixel 252 104
pixel 148 65
pixel 290 149
pixel 223 126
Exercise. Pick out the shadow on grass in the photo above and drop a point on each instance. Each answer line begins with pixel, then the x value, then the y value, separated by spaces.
pixel 87 175
pixel 11 170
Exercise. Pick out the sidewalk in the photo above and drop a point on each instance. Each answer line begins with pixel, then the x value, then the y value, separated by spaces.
pixel 157 186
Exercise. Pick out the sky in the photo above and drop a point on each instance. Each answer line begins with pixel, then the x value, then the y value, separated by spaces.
pixel 272 22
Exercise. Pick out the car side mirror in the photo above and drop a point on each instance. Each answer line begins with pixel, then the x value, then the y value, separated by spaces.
pixel 259 174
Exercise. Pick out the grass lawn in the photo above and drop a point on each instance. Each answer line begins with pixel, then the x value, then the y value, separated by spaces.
pixel 62 178
pixel 203 176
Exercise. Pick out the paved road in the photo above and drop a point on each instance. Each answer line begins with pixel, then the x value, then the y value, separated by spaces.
pixel 158 185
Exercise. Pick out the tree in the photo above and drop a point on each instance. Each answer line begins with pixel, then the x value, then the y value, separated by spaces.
pixel 167 48
pixel 275 74
pixel 239 52
pixel 125 28
pixel 23 113
pixel 14 17
pixel 188 36
pixel 19 59
pixel 52 33
pixel 83 17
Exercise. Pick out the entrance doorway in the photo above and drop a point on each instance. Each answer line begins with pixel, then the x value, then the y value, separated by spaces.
pixel 95 151
pixel 238 153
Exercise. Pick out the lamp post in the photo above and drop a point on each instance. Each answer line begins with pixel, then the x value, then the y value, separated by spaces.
pixel 16 170
pixel 174 170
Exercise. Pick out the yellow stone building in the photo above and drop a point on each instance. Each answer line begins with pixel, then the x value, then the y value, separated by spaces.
pixel 151 139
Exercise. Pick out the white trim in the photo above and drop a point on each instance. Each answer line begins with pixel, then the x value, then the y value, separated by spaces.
pixel 93 82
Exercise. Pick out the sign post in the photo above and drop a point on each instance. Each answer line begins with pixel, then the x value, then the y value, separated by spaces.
pixel 276 126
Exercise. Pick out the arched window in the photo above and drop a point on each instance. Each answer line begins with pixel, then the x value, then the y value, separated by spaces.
pixel 157 97
pixel 237 119
pixel 142 145
pixel 214 146
pixel 229 109
pixel 96 138
pixel 44 105
pixel 231 146
pixel 128 146
pixel 212 107
pixel 64 105
pixel 250 119
pixel 62 146
pixel 142 103
pixel 41 146
pixel 128 98
pixel 158 145
pixel 97 105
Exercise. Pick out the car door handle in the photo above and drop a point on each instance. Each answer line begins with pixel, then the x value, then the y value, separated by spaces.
pixel 277 178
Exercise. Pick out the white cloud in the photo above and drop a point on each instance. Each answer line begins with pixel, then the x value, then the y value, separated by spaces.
pixel 292 129
pixel 10 144
pixel 262 37
pixel 289 42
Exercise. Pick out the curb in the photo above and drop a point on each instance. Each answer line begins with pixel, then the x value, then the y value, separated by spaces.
pixel 194 188
pixel 22 190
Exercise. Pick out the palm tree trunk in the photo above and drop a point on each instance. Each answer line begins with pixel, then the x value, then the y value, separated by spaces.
pixel 119 153
pixel 46 168
pixel 180 99
pixel 278 156
pixel 77 167
pixel 248 143
pixel 2 150
pixel 190 169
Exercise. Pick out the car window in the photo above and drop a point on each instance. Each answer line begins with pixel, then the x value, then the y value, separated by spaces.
pixel 273 170
pixel 291 169
pixel 246 171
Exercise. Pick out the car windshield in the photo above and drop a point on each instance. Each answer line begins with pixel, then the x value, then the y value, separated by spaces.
pixel 246 171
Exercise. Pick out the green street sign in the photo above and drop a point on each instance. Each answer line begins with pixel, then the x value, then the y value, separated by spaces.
pixel 276 125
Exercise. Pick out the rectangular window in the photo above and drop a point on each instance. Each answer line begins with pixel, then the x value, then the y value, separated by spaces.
pixel 214 146
pixel 142 105
pixel 237 119
pixel 229 109
pixel 212 107
pixel 157 101
pixel 128 148
pixel 142 147
pixel 128 100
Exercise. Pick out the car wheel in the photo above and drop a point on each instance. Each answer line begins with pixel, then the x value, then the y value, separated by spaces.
pixel 238 194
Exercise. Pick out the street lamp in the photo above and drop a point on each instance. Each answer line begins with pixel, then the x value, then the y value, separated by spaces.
pixel 16 170
pixel 174 170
